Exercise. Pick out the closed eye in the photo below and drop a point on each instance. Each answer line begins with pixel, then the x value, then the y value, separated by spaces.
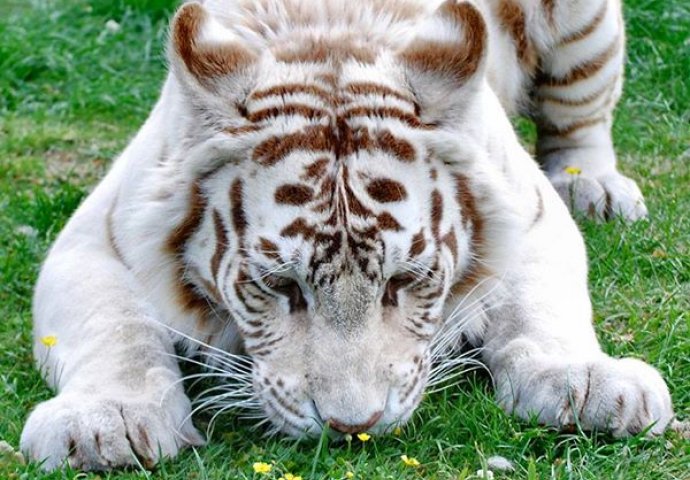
pixel 287 287
pixel 394 285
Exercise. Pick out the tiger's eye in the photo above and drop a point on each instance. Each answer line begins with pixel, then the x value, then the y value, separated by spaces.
pixel 289 288
pixel 397 282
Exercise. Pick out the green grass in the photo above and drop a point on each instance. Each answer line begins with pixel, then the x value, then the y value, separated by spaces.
pixel 72 93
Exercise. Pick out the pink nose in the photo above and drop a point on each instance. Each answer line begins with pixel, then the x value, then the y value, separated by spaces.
pixel 346 428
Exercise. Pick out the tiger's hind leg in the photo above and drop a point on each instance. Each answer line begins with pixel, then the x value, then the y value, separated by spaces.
pixel 575 92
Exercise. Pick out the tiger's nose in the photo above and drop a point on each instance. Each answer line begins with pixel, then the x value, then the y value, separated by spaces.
pixel 342 427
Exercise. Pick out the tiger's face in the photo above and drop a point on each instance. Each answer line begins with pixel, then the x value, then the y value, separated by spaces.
pixel 338 236
pixel 333 233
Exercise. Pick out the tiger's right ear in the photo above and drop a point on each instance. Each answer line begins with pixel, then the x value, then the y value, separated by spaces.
pixel 204 51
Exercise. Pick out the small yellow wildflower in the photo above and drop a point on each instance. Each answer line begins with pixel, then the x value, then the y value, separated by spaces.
pixel 573 170
pixel 262 468
pixel 364 437
pixel 409 461
pixel 49 340
pixel 349 475
pixel 289 476
pixel 397 432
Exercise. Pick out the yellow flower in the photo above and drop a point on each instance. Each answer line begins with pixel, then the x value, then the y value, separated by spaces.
pixel 289 476
pixel 49 340
pixel 349 475
pixel 363 437
pixel 397 432
pixel 573 170
pixel 409 461
pixel 262 468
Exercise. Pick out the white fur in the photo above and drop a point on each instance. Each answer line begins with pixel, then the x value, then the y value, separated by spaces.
pixel 116 319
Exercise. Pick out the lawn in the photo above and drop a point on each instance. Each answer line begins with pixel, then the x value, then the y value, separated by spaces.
pixel 78 77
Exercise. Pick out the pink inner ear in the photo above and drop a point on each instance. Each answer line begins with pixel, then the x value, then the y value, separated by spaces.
pixel 204 60
pixel 456 60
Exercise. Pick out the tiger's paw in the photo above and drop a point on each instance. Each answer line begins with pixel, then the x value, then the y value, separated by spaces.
pixel 620 396
pixel 601 196
pixel 99 434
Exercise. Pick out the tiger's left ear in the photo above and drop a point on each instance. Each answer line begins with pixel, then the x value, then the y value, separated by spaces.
pixel 446 60
pixel 204 52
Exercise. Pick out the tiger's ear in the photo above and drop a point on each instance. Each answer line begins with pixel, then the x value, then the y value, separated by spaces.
pixel 204 51
pixel 447 58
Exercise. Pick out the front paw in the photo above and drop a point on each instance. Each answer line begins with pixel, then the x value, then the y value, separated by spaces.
pixel 99 434
pixel 621 396
pixel 599 196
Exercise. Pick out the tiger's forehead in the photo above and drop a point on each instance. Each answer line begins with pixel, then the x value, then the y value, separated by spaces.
pixel 335 111
pixel 337 166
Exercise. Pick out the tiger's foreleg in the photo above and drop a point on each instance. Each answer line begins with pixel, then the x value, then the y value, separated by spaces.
pixel 579 83
pixel 119 399
pixel 541 347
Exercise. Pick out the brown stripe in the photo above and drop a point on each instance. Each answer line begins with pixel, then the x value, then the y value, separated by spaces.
pixel 291 109
pixel 386 221
pixel 242 129
pixel 513 19
pixel 221 242
pixel 587 29
pixel 386 112
pixel 398 147
pixel 579 102
pixel 293 194
pixel 471 217
pixel 316 170
pixel 554 131
pixel 314 138
pixel 187 295
pixel 585 70
pixel 451 242
pixel 370 88
pixel 324 50
pixel 268 248
pixel 239 219
pixel 298 227
pixel 293 88
pixel 197 204
pixel 436 213
pixel 549 7
pixel 418 244
pixel 385 190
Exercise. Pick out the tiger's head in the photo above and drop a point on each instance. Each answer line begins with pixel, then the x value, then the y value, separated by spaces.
pixel 336 203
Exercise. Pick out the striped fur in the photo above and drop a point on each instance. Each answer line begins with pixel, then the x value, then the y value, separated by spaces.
pixel 327 202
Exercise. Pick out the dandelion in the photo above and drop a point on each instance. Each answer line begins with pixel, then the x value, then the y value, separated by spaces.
pixel 49 340
pixel 364 437
pixel 262 468
pixel 397 432
pixel 289 476
pixel 573 170
pixel 349 475
pixel 410 461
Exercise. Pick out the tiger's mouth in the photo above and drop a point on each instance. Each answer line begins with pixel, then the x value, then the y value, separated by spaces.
pixel 301 417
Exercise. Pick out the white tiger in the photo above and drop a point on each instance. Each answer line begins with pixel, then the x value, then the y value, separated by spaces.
pixel 333 192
